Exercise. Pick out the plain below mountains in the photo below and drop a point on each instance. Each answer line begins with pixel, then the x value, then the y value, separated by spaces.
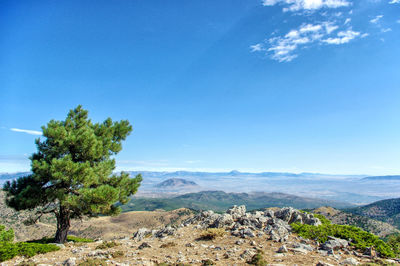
pixel 220 201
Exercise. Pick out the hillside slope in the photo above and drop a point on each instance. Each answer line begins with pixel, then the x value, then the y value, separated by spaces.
pixel 376 227
pixel 383 210
pixel 220 201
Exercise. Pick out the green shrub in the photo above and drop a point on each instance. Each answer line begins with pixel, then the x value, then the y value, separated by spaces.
pixel 106 245
pixel 207 262
pixel 48 240
pixel 258 259
pixel 6 236
pixel 9 250
pixel 357 237
pixel 79 239
pixel 394 242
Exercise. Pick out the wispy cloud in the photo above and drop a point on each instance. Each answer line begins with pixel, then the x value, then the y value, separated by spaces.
pixel 27 131
pixel 256 47
pixel 394 2
pixel 283 48
pixel 376 19
pixel 342 37
pixel 298 5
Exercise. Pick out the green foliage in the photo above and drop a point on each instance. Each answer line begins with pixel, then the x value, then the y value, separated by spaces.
pixel 258 259
pixel 9 250
pixel 394 242
pixel 75 239
pixel 207 262
pixel 107 244
pixel 358 237
pixel 72 171
pixel 6 236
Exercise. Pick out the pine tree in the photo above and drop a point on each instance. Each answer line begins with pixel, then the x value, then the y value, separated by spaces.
pixel 72 172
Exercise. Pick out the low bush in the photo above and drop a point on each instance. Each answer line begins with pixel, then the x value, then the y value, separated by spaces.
pixel 107 244
pixel 117 254
pixel 9 250
pixel 6 236
pixel 93 262
pixel 258 259
pixel 207 262
pixel 75 239
pixel 356 236
pixel 212 233
pixel 168 245
pixel 394 242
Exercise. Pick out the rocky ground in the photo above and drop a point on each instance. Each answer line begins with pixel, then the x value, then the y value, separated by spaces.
pixel 242 235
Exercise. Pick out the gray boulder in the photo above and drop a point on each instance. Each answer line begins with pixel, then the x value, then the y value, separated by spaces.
pixel 237 211
pixel 334 244
pixel 141 233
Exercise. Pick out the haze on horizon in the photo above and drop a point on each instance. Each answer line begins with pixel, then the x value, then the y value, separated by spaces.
pixel 255 86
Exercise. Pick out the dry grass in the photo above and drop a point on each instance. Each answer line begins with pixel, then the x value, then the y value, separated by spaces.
pixel 212 233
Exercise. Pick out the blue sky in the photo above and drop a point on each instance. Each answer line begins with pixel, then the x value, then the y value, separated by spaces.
pixel 273 85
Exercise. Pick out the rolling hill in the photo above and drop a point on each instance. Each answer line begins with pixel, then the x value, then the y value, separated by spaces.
pixel 220 201
pixel 174 183
pixel 383 210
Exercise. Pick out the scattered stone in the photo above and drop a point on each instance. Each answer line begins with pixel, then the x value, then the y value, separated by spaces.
pixel 334 243
pixel 370 251
pixel 237 211
pixel 320 263
pixel 248 254
pixel 283 249
pixel 141 233
pixel 70 262
pixel 189 245
pixel 239 242
pixel 350 261
pixel 144 245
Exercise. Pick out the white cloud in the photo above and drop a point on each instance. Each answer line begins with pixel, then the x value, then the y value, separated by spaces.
pixel 347 21
pixel 297 5
pixel 376 19
pixel 283 48
pixel 394 2
pixel 386 30
pixel 27 131
pixel 256 47
pixel 342 37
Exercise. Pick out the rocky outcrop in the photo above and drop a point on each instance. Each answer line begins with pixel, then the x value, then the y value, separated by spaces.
pixel 246 225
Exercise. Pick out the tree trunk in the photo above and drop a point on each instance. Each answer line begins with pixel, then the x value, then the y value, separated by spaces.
pixel 63 223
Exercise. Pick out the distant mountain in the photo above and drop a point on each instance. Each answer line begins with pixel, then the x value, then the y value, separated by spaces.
pixel 384 177
pixel 383 210
pixel 236 173
pixel 176 183
pixel 4 177
pixel 220 201
pixel 376 227
pixel 13 175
